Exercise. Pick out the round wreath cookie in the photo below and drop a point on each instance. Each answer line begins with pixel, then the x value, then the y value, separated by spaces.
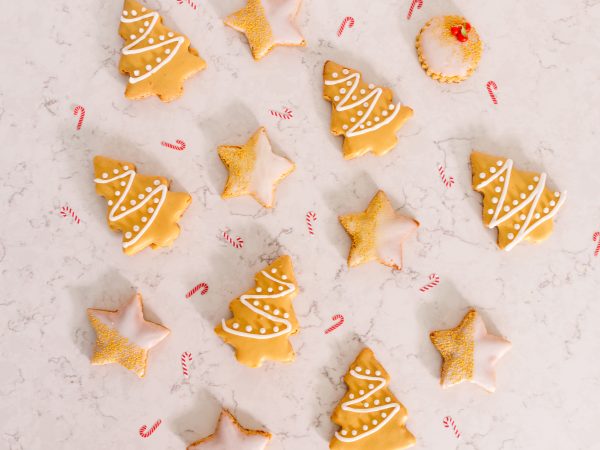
pixel 449 49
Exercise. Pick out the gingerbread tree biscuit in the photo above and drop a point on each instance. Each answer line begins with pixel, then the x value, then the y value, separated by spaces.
pixel 363 113
pixel 157 59
pixel 264 318
pixel 369 415
pixel 518 203
pixel 139 206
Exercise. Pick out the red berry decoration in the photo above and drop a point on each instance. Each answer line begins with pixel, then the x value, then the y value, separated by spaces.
pixel 461 32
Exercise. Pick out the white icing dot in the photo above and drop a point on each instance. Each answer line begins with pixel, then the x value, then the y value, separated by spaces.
pixel 125 13
pixel 334 74
pixel 517 226
pixel 280 288
pixel 507 208
pixel 133 12
pixel 104 175
pixel 366 404
pixel 156 182
pixel 358 369
pixel 150 210
pixel 530 187
pixel 123 208
pixel 132 37
pixel 490 211
pixel 156 200
pixel 354 97
pixel 557 194
pixel 148 189
pixel 336 98
pixel 371 386
pixel 482 175
pixel 384 113
pixel 148 67
pixel 266 307
pixel 258 289
pixel 522 217
pixel 366 104
pixel 376 402
pixel 371 86
pixel 362 91
pixel 369 123
pixel 167 51
pixel 248 328
pixel 365 427
pixel 515 202
pixel 136 228
pixel 351 396
pixel 388 399
pixel 141 196
pixel 117 193
pixel 150 41
pixel 170 34
pixel 143 9
pixel 499 163
pixel 270 289
pixel 144 219
pixel 523 196
pixel 498 189
pixel 360 113
pixel 116 171
pixel 342 90
pixel 552 203
pixel 284 277
pixel 368 372
pixel 161 37
pixel 276 329
pixel 132 202
pixel 345 71
pixel 492 169
pixel 276 312
pixel 136 72
pixel 236 326
pixel 374 422
pixel 501 179
pixel 146 23
pixel 392 107
pixel 122 183
pixel 510 236
pixel 110 202
pixel 348 83
pixel 141 30
pixel 536 178
pixel 352 119
pixel 286 315
pixel 361 392
pixel 256 303
pixel 273 270
pixel 262 331
pixel 354 432
pixel 384 415
pixel 378 373
pixel 344 127
pixel 494 200
pixel 344 432
pixel 128 235
pixel 159 59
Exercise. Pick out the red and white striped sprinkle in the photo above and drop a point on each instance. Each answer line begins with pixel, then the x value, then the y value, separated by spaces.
pixel 311 217
pixel 81 111
pixel 492 85
pixel 197 288
pixel 349 21
pixel 189 2
pixel 419 5
pixel 179 147
pixel 448 181
pixel 339 323
pixel 449 423
pixel 238 242
pixel 66 211
pixel 185 358
pixel 435 280
pixel 145 434
pixel 287 113
pixel 597 238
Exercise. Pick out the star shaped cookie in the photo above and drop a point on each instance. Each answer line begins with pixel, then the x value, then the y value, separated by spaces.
pixel 230 435
pixel 378 233
pixel 469 353
pixel 268 23
pixel 124 336
pixel 254 169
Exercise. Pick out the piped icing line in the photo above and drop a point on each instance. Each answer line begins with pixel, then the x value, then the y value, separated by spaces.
pixel 244 300
pixel 343 106
pixel 534 197
pixel 162 189
pixel 348 406
pixel 129 50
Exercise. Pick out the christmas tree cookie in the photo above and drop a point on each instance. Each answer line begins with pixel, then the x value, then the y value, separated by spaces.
pixel 156 59
pixel 369 416
pixel 469 353
pixel 449 49
pixel 264 318
pixel 254 169
pixel 267 24
pixel 518 203
pixel 124 336
pixel 139 206
pixel 378 233
pixel 363 113
pixel 230 435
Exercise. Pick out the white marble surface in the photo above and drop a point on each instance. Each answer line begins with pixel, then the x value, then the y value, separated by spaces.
pixel 543 54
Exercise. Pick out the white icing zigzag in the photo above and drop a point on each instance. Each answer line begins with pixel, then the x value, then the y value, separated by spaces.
pixel 160 189
pixel 148 27
pixel 534 196
pixel 365 408
pixel 343 104
pixel 263 312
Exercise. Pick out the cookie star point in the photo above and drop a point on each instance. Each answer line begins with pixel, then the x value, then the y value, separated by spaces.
pixel 469 352
pixel 378 233
pixel 254 169
pixel 125 336
pixel 229 434
pixel 267 24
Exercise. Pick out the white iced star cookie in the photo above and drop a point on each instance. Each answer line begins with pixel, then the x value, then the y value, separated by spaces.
pixel 254 169
pixel 469 352
pixel 230 435
pixel 268 23
pixel 124 336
